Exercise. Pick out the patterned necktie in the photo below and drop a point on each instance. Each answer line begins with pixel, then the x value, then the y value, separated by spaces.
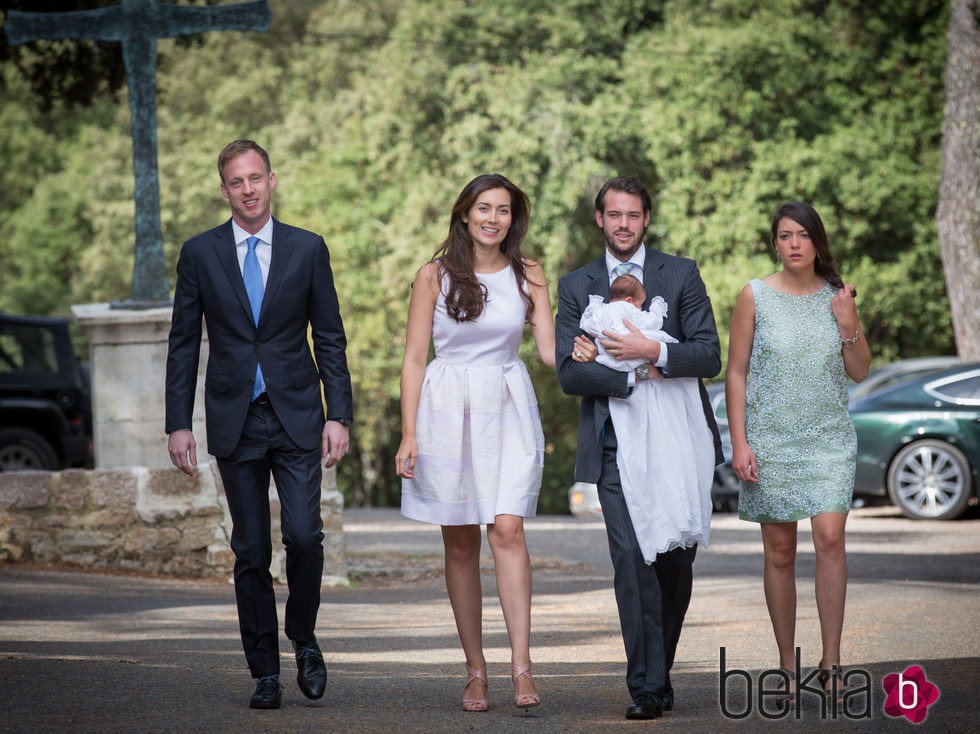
pixel 626 268
pixel 252 275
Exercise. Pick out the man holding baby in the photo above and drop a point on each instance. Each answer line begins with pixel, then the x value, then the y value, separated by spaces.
pixel 652 596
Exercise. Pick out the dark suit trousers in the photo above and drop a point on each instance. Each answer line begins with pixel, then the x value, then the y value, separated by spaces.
pixel 652 599
pixel 264 447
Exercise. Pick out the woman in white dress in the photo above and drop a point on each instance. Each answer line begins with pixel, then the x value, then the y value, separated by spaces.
pixel 472 448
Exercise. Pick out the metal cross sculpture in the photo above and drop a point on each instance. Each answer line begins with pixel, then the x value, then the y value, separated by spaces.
pixel 137 24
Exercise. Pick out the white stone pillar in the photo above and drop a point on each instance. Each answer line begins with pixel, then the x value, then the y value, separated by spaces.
pixel 128 357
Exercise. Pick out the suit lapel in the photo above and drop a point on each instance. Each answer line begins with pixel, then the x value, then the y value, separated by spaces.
pixel 598 278
pixel 282 250
pixel 227 254
pixel 653 282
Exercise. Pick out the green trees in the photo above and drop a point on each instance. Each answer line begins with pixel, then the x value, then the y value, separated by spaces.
pixel 376 112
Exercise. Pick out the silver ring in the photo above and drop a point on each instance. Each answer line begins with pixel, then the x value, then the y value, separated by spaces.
pixel 578 354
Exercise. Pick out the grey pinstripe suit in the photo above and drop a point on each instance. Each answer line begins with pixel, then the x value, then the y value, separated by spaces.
pixel 652 600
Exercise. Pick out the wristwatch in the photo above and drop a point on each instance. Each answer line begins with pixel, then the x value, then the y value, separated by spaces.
pixel 345 422
pixel 642 372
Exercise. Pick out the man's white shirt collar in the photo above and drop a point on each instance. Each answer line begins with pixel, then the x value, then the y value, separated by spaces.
pixel 639 257
pixel 264 234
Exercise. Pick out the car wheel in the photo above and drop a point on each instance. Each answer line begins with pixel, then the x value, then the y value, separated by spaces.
pixel 930 480
pixel 22 449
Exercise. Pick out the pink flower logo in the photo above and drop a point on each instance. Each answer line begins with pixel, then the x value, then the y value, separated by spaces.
pixel 909 694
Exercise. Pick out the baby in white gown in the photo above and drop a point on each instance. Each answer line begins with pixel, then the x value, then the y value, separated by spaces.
pixel 626 296
pixel 667 477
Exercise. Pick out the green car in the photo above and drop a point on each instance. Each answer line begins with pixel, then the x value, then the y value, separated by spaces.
pixel 919 443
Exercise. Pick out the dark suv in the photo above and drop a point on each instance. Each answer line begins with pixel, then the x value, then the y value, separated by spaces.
pixel 45 405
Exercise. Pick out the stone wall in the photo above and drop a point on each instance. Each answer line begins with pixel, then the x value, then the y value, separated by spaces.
pixel 139 519
pixel 135 510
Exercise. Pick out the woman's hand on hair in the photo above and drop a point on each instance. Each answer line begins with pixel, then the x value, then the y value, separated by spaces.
pixel 844 308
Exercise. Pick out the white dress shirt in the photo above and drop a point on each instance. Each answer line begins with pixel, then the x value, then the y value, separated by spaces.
pixel 263 250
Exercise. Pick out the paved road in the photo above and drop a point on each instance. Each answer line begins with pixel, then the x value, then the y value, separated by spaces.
pixel 107 653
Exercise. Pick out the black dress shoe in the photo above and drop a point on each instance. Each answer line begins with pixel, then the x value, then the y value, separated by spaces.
pixel 268 693
pixel 668 695
pixel 646 706
pixel 311 672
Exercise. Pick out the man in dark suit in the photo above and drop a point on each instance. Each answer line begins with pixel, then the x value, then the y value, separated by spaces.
pixel 652 599
pixel 261 286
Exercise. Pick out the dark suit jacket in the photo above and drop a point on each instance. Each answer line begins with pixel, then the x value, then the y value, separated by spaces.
pixel 299 293
pixel 689 319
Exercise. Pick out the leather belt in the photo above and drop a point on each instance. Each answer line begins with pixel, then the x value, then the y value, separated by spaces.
pixel 262 399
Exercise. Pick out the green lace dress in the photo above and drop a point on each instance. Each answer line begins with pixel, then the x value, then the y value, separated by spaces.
pixel 796 419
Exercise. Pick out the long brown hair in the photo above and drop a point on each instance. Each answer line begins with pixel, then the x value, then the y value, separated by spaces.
pixel 806 216
pixel 466 296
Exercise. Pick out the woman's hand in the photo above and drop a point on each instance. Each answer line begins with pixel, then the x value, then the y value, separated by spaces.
pixel 584 350
pixel 743 464
pixel 408 454
pixel 854 347
pixel 844 308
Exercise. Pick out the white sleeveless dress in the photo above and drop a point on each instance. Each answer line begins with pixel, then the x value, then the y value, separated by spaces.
pixel 481 447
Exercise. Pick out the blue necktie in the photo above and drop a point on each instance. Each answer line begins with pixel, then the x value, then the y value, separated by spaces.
pixel 626 268
pixel 252 275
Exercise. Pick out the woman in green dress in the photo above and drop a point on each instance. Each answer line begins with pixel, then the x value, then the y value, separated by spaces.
pixel 795 338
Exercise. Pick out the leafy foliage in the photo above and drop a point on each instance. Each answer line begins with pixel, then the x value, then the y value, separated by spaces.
pixel 376 112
